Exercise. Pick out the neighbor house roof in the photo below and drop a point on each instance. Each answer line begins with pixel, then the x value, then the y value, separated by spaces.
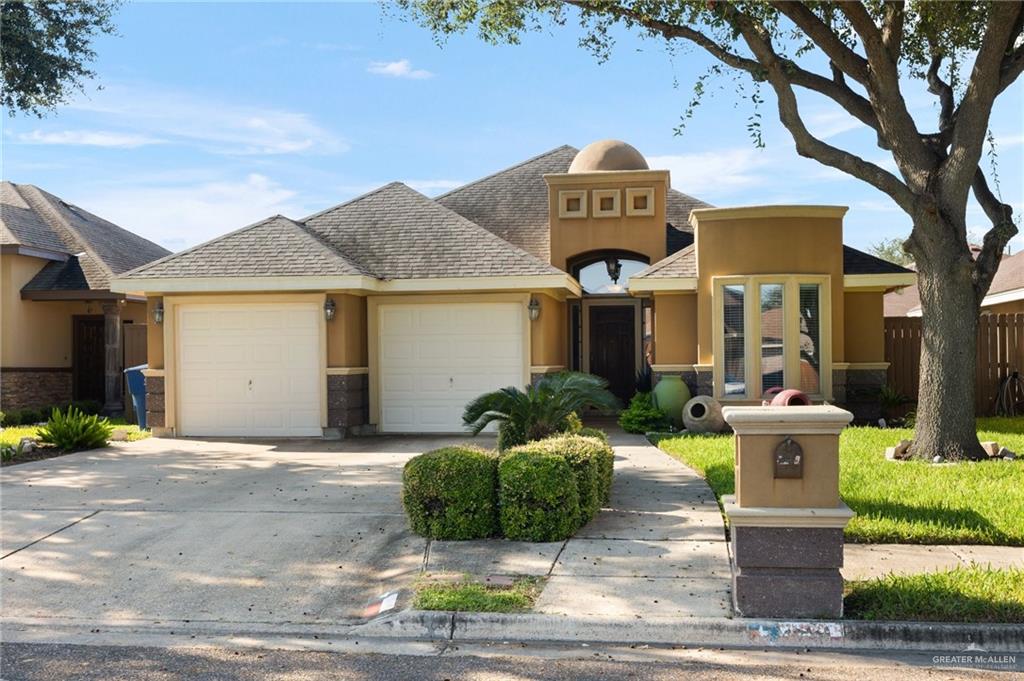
pixel 1008 282
pixel 90 250
pixel 397 233
pixel 513 203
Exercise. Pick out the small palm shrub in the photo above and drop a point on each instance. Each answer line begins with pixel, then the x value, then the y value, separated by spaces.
pixel 591 461
pixel 537 498
pixel 451 493
pixel 72 430
pixel 642 416
pixel 547 408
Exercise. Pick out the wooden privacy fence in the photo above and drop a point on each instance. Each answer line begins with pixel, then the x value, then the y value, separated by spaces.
pixel 1000 352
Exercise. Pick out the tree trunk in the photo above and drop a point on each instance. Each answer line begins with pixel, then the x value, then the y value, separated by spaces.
pixel 945 423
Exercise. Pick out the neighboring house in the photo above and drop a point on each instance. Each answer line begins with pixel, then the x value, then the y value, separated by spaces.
pixel 1006 294
pixel 62 326
pixel 391 311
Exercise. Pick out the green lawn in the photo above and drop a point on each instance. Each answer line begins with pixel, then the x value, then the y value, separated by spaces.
pixel 470 596
pixel 974 594
pixel 13 434
pixel 904 503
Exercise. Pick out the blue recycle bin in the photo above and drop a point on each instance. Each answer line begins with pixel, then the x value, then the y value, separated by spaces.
pixel 137 388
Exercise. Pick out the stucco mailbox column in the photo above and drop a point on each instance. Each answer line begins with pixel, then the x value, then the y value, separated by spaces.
pixel 786 519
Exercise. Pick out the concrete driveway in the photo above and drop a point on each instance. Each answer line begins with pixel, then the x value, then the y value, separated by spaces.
pixel 300 531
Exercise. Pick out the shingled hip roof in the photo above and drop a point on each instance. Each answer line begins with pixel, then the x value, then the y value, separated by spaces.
pixel 390 233
pixel 33 218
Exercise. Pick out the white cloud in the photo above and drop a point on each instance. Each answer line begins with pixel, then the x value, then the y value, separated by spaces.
pixel 182 215
pixel 212 124
pixel 89 138
pixel 829 123
pixel 398 69
pixel 714 172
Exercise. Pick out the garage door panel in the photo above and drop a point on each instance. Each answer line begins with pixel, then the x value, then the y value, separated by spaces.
pixel 249 369
pixel 435 358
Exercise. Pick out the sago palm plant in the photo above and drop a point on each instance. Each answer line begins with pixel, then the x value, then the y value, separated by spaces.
pixel 539 411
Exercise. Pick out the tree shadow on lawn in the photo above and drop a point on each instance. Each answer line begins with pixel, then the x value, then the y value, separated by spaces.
pixel 930 519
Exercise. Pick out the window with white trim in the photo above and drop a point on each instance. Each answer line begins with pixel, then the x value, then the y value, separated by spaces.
pixel 771 332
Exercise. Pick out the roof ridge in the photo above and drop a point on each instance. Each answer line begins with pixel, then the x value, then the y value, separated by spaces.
pixel 505 170
pixel 47 209
pixel 310 234
pixel 214 240
pixel 352 200
pixel 876 258
pixel 486 232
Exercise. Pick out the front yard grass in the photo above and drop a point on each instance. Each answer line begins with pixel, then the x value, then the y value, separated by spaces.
pixel 970 594
pixel 472 596
pixel 12 435
pixel 902 503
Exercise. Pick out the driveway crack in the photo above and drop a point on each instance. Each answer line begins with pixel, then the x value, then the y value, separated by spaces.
pixel 33 543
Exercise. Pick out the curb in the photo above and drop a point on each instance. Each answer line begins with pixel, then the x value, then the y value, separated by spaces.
pixel 704 631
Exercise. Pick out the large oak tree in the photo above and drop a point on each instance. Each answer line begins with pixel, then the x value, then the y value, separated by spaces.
pixel 873 51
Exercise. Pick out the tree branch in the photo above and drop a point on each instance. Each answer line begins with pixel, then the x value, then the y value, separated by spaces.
pixel 1003 229
pixel 807 144
pixel 972 115
pixel 892 28
pixel 851 63
pixel 910 152
pixel 944 92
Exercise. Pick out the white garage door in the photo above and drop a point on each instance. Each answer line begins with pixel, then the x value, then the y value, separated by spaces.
pixel 436 358
pixel 249 370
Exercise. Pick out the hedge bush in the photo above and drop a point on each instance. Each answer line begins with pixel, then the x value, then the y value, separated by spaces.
pixel 30 416
pixel 451 493
pixel 591 461
pixel 537 497
pixel 594 432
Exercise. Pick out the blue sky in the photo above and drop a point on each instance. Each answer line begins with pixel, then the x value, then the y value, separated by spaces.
pixel 213 116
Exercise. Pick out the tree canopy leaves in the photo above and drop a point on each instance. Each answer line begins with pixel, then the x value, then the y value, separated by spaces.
pixel 45 49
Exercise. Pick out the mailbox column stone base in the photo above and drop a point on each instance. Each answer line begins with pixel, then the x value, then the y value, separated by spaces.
pixel 788 565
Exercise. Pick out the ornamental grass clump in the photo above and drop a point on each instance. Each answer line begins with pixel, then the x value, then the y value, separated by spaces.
pixel 72 430
pixel 451 493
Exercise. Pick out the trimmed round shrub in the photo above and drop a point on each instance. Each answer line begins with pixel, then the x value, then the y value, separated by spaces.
pixel 451 493
pixel 591 460
pixel 594 432
pixel 537 495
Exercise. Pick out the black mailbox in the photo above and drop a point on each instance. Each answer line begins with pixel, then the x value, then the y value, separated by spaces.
pixel 789 459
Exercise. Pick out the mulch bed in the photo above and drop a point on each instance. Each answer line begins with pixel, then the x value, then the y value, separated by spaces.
pixel 37 454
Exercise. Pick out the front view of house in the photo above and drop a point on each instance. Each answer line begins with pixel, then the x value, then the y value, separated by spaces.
pixel 391 311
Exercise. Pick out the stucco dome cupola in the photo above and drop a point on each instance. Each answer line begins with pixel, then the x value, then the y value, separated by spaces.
pixel 606 155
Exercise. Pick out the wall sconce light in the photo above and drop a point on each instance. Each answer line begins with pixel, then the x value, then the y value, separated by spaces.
pixel 534 309
pixel 158 312
pixel 329 308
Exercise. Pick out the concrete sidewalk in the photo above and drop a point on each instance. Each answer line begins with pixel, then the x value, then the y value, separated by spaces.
pixel 657 551
pixel 868 561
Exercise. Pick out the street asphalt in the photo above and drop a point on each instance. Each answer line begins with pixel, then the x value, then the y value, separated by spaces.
pixel 30 662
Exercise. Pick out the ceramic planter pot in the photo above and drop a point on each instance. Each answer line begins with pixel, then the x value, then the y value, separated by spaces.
pixel 703 414
pixel 671 395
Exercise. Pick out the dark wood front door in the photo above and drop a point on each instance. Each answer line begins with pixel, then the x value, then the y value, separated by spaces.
pixel 89 352
pixel 613 347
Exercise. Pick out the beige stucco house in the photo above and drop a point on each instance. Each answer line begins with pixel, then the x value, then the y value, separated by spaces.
pixel 391 311
pixel 62 328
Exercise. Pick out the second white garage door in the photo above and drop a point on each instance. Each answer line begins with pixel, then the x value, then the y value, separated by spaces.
pixel 435 358
pixel 249 370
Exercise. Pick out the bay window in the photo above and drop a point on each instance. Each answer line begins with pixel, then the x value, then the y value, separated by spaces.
pixel 771 331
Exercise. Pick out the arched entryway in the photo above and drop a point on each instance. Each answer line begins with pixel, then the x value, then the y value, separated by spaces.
pixel 609 329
